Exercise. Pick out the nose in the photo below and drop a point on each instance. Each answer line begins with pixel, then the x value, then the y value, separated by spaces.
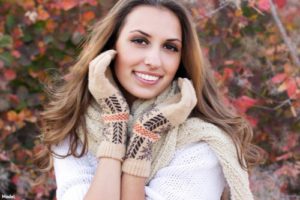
pixel 153 58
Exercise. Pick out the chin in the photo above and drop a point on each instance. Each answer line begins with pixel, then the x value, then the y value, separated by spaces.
pixel 144 95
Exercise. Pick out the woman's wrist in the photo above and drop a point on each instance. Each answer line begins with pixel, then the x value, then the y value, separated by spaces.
pixel 109 160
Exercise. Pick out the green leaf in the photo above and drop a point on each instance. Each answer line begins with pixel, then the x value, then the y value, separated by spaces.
pixel 7 58
pixel 10 22
pixel 22 104
pixel 248 12
pixel 5 41
pixel 27 37
pixel 39 27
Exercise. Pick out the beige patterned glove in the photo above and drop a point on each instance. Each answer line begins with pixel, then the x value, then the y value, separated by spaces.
pixel 150 125
pixel 114 108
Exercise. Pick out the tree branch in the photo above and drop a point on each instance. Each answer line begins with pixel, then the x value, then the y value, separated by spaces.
pixel 286 39
pixel 283 103
pixel 211 13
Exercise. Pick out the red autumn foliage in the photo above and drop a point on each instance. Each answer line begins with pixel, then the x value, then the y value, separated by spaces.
pixel 252 66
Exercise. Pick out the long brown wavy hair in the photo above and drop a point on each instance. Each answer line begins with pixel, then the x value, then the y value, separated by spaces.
pixel 67 102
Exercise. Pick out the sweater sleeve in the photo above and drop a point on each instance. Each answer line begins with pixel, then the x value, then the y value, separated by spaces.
pixel 194 173
pixel 73 175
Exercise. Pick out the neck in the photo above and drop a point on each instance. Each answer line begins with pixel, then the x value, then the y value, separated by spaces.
pixel 129 97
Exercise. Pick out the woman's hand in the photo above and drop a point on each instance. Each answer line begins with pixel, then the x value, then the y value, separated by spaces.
pixel 114 108
pixel 149 127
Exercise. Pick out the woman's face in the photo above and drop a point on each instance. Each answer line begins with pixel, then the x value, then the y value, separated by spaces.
pixel 148 51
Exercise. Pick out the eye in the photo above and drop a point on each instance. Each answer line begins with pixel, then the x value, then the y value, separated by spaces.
pixel 171 47
pixel 140 41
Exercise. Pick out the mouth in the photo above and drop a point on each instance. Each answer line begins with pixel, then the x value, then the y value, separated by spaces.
pixel 147 78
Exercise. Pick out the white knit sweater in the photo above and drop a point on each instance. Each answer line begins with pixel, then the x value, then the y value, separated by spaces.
pixel 193 174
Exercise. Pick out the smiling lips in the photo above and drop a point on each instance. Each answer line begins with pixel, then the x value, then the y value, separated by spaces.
pixel 146 78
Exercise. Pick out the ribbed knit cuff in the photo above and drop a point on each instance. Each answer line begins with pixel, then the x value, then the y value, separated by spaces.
pixel 136 167
pixel 110 150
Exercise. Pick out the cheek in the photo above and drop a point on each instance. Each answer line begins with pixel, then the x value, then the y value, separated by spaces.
pixel 126 55
pixel 172 64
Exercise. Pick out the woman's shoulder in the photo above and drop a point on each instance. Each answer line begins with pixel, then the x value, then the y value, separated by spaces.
pixel 195 129
pixel 198 123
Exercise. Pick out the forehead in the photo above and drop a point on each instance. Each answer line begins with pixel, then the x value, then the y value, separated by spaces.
pixel 153 20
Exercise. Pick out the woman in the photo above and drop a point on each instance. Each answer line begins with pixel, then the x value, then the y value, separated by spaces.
pixel 129 123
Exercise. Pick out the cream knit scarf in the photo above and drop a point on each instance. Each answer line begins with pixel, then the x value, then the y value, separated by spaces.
pixel 193 130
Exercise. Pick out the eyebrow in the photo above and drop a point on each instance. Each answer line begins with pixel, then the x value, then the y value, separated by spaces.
pixel 147 35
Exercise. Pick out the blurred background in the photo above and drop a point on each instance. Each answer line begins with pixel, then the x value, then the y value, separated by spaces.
pixel 254 52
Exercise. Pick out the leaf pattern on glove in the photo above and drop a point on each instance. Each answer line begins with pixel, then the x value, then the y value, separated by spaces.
pixel 119 127
pixel 113 104
pixel 147 130
pixel 115 116
pixel 134 146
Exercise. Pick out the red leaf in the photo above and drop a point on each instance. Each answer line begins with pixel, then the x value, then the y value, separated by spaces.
pixel 9 74
pixel 18 43
pixel 243 103
pixel 88 16
pixel 16 54
pixel 278 78
pixel 15 179
pixel 280 3
pixel 228 74
pixel 291 88
pixel 264 5
pixel 68 4
pixel 253 121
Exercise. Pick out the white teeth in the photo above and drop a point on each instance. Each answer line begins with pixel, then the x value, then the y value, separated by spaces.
pixel 147 77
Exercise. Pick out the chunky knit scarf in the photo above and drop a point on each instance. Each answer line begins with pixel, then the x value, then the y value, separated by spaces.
pixel 193 130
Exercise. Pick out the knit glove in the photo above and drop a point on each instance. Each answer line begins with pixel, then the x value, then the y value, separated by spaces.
pixel 149 127
pixel 114 108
